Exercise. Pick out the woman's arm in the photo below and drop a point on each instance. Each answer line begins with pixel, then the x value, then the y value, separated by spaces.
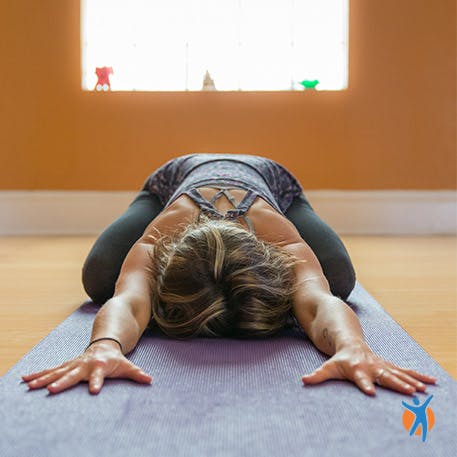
pixel 123 317
pixel 126 315
pixel 327 320
pixel 335 329
pixel 330 323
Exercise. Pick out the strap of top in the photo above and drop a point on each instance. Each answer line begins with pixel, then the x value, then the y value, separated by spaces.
pixel 239 211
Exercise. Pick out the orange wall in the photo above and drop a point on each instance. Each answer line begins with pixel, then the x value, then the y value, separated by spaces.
pixel 395 128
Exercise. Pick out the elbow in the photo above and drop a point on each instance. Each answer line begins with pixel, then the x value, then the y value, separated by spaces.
pixel 307 303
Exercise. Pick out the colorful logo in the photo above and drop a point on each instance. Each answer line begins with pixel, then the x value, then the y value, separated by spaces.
pixel 418 418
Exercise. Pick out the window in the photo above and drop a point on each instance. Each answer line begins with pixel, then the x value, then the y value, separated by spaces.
pixel 230 45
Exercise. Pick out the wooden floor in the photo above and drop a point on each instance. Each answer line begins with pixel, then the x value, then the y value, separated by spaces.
pixel 413 278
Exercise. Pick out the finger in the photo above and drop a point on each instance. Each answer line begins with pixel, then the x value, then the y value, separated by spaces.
pixel 137 374
pixel 67 380
pixel 409 379
pixel 388 379
pixel 422 377
pixel 415 374
pixel 28 377
pixel 319 375
pixel 364 383
pixel 47 378
pixel 96 380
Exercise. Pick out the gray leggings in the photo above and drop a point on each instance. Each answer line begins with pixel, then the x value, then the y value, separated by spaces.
pixel 103 264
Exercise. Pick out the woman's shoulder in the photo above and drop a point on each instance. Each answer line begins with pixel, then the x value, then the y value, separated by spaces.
pixel 272 226
pixel 173 218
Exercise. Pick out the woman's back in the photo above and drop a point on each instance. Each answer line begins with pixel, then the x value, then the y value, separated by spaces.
pixel 258 175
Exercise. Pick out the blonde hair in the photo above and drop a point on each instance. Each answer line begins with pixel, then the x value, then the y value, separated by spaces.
pixel 216 279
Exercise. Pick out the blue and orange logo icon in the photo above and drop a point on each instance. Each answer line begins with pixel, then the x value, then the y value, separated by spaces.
pixel 418 418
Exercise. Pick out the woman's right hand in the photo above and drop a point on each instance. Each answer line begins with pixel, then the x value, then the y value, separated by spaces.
pixel 101 360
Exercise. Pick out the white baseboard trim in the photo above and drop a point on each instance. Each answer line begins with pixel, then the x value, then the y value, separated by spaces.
pixel 389 212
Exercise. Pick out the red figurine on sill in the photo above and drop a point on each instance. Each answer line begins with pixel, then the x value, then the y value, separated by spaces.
pixel 103 82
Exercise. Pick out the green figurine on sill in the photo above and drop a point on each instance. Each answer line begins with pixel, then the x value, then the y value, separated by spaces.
pixel 307 84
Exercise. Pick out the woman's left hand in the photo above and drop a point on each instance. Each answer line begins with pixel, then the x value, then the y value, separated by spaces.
pixel 359 364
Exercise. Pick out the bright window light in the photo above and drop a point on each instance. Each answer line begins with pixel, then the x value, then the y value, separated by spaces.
pixel 226 45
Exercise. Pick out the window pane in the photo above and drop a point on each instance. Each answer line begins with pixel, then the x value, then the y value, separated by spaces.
pixel 243 44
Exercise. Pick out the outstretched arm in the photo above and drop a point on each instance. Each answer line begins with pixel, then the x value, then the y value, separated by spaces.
pixel 411 408
pixel 335 329
pixel 127 314
pixel 326 319
pixel 329 322
pixel 429 399
pixel 123 317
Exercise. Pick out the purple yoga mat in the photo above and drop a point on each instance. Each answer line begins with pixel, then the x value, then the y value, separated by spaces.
pixel 224 397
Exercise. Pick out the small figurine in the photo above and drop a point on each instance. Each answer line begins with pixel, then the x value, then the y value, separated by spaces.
pixel 208 83
pixel 307 84
pixel 103 82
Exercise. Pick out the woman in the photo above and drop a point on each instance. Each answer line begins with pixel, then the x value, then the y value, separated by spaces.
pixel 222 245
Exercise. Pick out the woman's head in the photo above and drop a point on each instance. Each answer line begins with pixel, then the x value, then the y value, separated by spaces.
pixel 216 279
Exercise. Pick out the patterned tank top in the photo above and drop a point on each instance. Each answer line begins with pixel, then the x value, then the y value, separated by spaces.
pixel 259 176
